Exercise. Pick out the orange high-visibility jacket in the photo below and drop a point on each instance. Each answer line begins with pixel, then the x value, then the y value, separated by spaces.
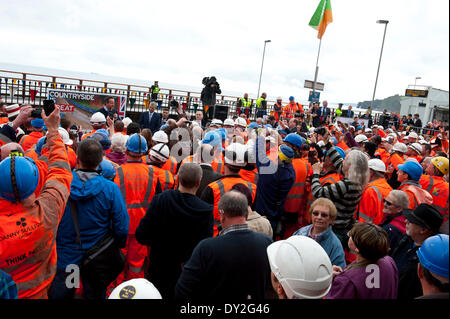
pixel 220 187
pixel 384 155
pixel 417 157
pixel 170 165
pixel 138 184
pixel 28 141
pixel 85 135
pixel 28 233
pixel 395 160
pixel 416 195
pixel 218 164
pixel 165 177
pixel 343 145
pixel 297 196
pixel 438 189
pixel 249 176
pixel 371 205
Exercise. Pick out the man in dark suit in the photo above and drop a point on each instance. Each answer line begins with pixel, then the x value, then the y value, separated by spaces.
pixel 150 119
pixel 324 113
pixel 108 108
pixel 233 264
pixel 206 156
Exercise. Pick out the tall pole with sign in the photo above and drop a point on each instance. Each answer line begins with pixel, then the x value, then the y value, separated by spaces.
pixel 319 21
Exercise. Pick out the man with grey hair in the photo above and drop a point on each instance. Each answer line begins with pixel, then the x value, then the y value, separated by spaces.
pixel 394 220
pixel 233 264
pixel 150 119
pixel 175 222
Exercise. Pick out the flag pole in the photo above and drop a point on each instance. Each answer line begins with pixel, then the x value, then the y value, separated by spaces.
pixel 317 68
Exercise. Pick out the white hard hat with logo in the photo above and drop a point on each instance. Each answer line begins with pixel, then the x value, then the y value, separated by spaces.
pixel 416 147
pixel 139 288
pixel 98 118
pixel 302 267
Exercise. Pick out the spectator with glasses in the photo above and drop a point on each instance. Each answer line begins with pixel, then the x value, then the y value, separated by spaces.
pixel 393 220
pixel 323 214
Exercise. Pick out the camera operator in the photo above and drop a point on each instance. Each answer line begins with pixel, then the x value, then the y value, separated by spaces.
pixel 208 96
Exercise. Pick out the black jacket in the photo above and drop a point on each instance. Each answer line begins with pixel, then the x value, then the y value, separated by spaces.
pixel 209 176
pixel 154 124
pixel 233 266
pixel 174 224
pixel 208 95
pixel 406 259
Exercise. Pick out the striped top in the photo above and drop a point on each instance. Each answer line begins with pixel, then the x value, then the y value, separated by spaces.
pixel 344 194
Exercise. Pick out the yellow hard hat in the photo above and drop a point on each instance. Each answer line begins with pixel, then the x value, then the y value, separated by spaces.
pixel 441 163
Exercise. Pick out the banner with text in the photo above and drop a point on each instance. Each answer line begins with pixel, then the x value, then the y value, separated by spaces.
pixel 78 107
pixel 349 121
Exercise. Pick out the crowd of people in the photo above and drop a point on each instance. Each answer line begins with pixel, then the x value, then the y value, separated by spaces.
pixel 296 204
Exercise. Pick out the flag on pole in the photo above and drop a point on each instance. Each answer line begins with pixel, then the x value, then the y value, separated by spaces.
pixel 322 17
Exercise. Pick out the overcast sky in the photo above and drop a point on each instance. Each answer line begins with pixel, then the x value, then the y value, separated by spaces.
pixel 182 41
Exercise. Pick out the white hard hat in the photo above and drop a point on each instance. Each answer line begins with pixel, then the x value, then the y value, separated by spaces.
pixel 321 143
pixel 360 138
pixel 368 130
pixel 229 122
pixel 311 130
pixel 416 147
pixel 65 136
pixel 302 267
pixel 126 121
pixel 380 127
pixel 374 126
pixel 400 147
pixel 98 118
pixel 279 98
pixel 139 288
pixel 216 122
pixel 413 135
pixel 235 154
pixel 377 165
pixel 161 152
pixel 351 126
pixel 160 137
pixel 423 141
pixel 240 122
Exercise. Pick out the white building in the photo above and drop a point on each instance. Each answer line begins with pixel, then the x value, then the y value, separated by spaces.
pixel 434 106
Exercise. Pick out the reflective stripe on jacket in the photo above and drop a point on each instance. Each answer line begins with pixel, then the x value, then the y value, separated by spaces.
pixel 371 205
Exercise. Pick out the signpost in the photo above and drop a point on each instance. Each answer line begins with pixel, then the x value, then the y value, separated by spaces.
pixel 310 85
pixel 314 96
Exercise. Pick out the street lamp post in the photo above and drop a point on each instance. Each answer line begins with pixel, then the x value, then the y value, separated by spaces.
pixel 412 98
pixel 417 78
pixel 262 64
pixel 385 22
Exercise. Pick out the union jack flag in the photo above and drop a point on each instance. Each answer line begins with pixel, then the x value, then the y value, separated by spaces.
pixel 122 107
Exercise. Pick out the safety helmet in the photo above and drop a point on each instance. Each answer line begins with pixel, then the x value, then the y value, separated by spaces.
pixel 98 118
pixel 228 122
pixel 40 144
pixel 268 126
pixel 416 147
pixel 380 127
pixel 334 140
pixel 433 255
pixel 102 136
pixel 37 123
pixel 441 163
pixel 19 176
pixel 213 138
pixel 361 138
pixel 240 122
pixel 291 98
pixel 235 155
pixel 253 125
pixel 285 153
pixel 368 130
pixel 160 152
pixel 126 121
pixel 302 267
pixel 294 139
pixel 377 165
pixel 139 288
pixel 340 151
pixel 216 122
pixel 137 144
pixel 107 169
pixel 65 136
pixel 413 135
pixel 412 168
pixel 400 147
pixel 223 133
pixel 160 137
pixel 279 98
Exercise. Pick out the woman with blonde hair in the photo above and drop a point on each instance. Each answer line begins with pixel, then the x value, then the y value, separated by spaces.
pixel 373 275
pixel 323 214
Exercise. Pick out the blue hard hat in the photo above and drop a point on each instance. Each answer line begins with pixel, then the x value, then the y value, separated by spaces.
pixel 253 125
pixel 107 169
pixel 433 254
pixel 213 138
pixel 268 126
pixel 26 178
pixel 414 169
pixel 37 123
pixel 294 139
pixel 291 98
pixel 40 143
pixel 359 128
pixel 102 136
pixel 137 144
pixel 163 127
pixel 287 151
pixel 222 132
pixel 334 140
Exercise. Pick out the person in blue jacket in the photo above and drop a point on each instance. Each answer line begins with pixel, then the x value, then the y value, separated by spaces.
pixel 323 213
pixel 100 209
